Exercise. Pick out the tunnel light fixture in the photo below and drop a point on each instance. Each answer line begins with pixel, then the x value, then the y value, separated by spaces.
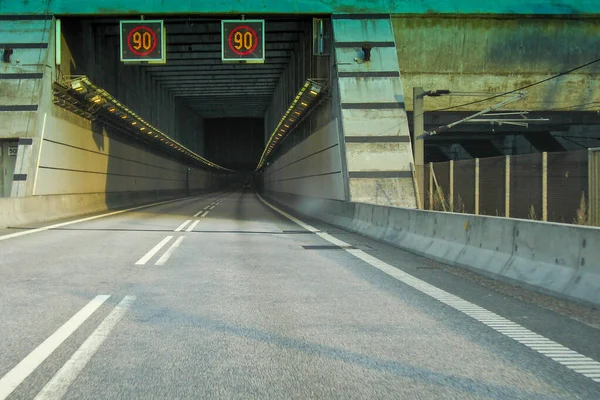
pixel 303 103
pixel 79 95
pixel 77 85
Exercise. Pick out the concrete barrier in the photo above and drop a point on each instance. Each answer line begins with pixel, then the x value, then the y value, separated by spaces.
pixel 556 259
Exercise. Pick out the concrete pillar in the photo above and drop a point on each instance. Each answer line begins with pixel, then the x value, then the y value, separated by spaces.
pixel 373 115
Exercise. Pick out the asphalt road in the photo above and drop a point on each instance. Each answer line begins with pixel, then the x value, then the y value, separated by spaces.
pixel 218 297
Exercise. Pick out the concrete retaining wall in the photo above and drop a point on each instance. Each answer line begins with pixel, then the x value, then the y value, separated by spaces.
pixel 77 157
pixel 557 259
pixel 314 167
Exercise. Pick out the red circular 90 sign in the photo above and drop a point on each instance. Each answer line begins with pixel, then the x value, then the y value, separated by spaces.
pixel 141 41
pixel 243 40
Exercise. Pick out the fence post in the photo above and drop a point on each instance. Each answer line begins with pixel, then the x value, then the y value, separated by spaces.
pixel 451 189
pixel 431 186
pixel 416 185
pixel 477 186
pixel 507 187
pixel 544 186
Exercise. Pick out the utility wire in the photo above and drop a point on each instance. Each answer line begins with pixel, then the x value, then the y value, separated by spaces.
pixel 521 88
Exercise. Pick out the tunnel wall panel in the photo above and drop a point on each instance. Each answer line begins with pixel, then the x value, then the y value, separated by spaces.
pixel 74 159
pixel 312 168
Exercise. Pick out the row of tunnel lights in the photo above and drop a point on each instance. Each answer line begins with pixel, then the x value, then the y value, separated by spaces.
pixel 102 98
pixel 292 115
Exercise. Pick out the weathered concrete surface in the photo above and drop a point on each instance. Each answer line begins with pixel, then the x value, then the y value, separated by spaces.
pixel 556 259
pixel 485 54
pixel 136 7
pixel 377 156
pixel 373 116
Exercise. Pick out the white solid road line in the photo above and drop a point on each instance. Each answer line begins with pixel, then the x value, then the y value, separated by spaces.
pixel 170 251
pixel 153 251
pixel 556 352
pixel 205 214
pixel 60 382
pixel 178 229
pixel 15 376
pixel 46 228
pixel 192 226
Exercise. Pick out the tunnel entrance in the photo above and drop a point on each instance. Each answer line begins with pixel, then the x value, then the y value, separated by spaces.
pixel 224 111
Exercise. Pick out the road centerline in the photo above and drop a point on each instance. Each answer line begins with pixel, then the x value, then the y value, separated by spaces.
pixel 21 371
pixel 170 250
pixel 153 251
pixel 182 226
pixel 57 386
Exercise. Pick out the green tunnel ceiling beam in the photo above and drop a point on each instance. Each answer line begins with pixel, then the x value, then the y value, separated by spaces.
pixel 150 7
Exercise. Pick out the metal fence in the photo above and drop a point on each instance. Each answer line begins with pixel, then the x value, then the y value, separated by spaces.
pixel 556 187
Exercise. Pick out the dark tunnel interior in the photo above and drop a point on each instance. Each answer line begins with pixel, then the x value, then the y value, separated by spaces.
pixel 222 111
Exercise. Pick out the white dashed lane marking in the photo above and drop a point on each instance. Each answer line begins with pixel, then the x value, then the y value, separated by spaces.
pixel 167 254
pixel 153 251
pixel 192 226
pixel 182 226
pixel 17 375
pixel 553 350
pixel 56 388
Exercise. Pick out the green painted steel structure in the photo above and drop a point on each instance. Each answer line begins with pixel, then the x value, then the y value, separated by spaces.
pixel 152 7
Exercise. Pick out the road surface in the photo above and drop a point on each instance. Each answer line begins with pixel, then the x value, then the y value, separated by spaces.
pixel 222 296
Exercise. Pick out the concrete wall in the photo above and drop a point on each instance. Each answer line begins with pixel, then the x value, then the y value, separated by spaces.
pixel 79 157
pixel 373 115
pixel 374 155
pixel 496 54
pixel 310 160
pixel 137 7
pixel 311 168
pixel 556 259
pixel 21 89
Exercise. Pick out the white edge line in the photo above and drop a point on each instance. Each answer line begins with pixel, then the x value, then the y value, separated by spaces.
pixel 60 382
pixel 46 228
pixel 22 370
pixel 167 254
pixel 180 227
pixel 421 285
pixel 153 251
